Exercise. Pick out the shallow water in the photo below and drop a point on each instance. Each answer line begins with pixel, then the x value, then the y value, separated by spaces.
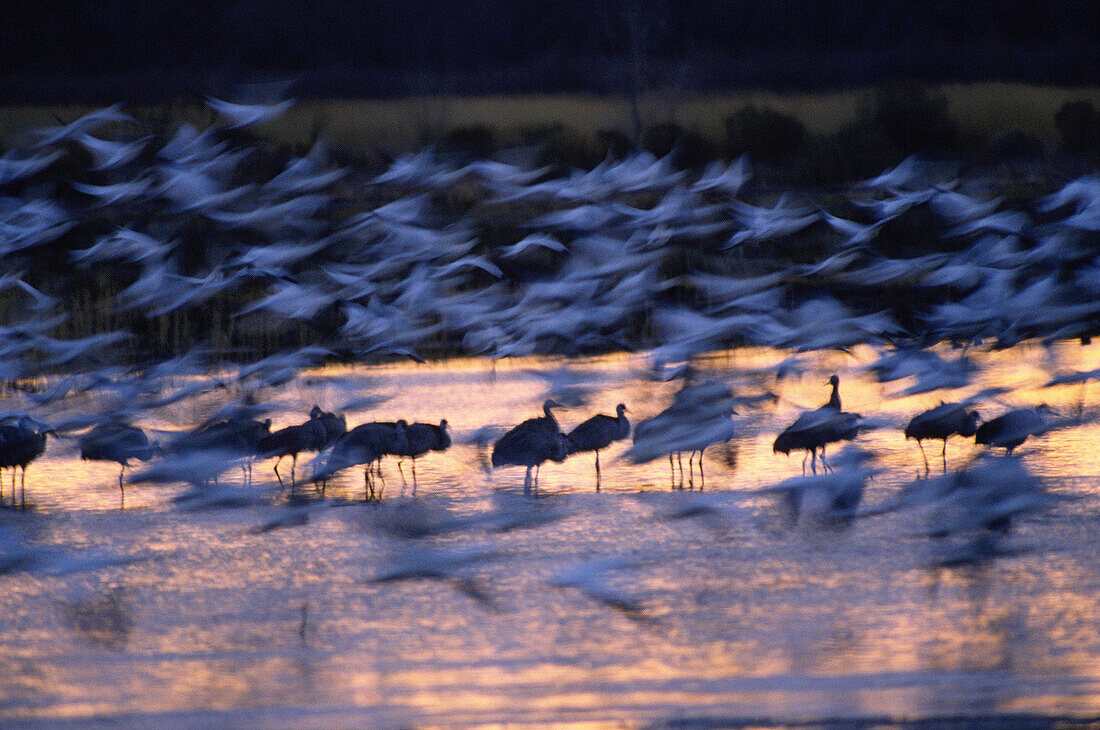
pixel 734 612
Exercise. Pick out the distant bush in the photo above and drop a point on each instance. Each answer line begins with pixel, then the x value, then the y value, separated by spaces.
pixel 613 143
pixel 560 146
pixel 689 149
pixel 1015 145
pixel 1079 125
pixel 856 151
pixel 911 118
pixel 476 141
pixel 765 134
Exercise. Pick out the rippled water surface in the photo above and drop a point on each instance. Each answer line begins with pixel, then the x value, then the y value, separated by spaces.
pixel 638 604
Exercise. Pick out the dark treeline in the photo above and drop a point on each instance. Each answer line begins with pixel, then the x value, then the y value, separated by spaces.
pixel 54 50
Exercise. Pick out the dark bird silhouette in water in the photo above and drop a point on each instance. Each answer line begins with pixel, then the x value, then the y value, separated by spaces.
pixel 335 425
pixel 531 443
pixel 1013 428
pixel 423 437
pixel 22 440
pixel 365 444
pixel 238 436
pixel 597 433
pixel 834 397
pixel 291 441
pixel 942 422
pixel 816 429
pixel 118 441
pixel 701 415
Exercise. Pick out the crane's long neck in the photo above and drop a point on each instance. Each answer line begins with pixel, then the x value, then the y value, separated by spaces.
pixel 834 399
pixel 550 415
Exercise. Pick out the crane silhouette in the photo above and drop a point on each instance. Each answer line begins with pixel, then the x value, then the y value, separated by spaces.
pixel 815 429
pixel 118 441
pixel 365 444
pixel 700 416
pixel 22 440
pixel 239 436
pixel 290 441
pixel 335 425
pixel 1013 428
pixel 423 437
pixel 531 443
pixel 942 422
pixel 597 433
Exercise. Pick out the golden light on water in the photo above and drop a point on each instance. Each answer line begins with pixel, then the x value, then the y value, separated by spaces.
pixel 743 615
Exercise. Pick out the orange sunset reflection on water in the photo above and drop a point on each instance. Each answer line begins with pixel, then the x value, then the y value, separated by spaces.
pixel 634 605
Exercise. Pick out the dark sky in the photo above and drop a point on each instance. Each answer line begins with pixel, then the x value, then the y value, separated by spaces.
pixel 137 48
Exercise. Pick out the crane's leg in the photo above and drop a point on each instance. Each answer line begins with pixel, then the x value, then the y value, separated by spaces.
pixel 813 460
pixel 277 475
pixel 925 457
pixel 538 467
pixel 402 472
pixel 680 463
pixel 672 471
pixel 23 489
pixel 121 489
pixel 378 495
pixel 414 476
pixel 702 479
pixel 597 470
pixel 527 481
pixel 368 492
pixel 293 465
pixel 944 456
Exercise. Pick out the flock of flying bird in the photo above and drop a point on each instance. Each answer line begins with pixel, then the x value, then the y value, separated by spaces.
pixel 500 259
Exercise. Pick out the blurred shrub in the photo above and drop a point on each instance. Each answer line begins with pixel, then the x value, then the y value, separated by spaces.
pixel 613 143
pixel 855 152
pixel 766 135
pixel 1079 126
pixel 688 148
pixel 560 146
pixel 1015 145
pixel 660 139
pixel 476 141
pixel 911 118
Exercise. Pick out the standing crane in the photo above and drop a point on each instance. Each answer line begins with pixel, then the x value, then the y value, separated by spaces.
pixel 424 437
pixel 365 444
pixel 942 422
pixel 815 429
pixel 531 443
pixel 22 440
pixel 118 441
pixel 597 433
